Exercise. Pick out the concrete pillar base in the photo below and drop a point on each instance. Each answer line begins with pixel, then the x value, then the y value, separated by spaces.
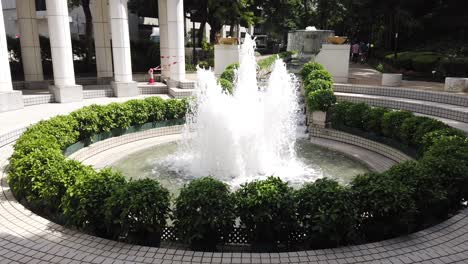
pixel 125 89
pixel 67 94
pixel 32 85
pixel 11 100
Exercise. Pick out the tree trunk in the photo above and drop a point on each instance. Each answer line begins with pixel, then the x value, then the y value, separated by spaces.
pixel 201 33
pixel 89 31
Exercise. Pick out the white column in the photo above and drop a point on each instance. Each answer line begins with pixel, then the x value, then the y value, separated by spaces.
pixel 175 25
pixel 65 88
pixel 123 81
pixel 163 38
pixel 30 47
pixel 102 38
pixel 9 99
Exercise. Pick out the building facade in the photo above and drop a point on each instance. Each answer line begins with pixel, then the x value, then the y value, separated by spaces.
pixel 112 43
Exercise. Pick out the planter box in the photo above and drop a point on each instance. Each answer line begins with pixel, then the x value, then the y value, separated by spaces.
pixel 392 79
pixel 453 84
pixel 319 119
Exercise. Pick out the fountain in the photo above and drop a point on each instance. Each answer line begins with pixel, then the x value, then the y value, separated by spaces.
pixel 249 135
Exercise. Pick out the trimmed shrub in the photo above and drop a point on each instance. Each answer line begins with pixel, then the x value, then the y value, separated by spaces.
pixel 139 110
pixel 318 84
pixel 426 127
pixel 267 208
pixel 373 119
pixel 226 85
pixel 321 100
pixel 326 211
pixel 428 193
pixel 138 211
pixel 386 206
pixel 228 74
pixel 392 121
pixel 175 108
pixel 310 67
pixel 355 115
pixel 316 75
pixel 84 202
pixel 446 160
pixel 430 138
pixel 454 67
pixel 89 121
pixel 115 115
pixel 338 113
pixel 156 109
pixel 232 66
pixel 409 127
pixel 204 211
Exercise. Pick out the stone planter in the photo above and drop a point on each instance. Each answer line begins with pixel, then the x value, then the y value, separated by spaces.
pixel 319 118
pixel 453 84
pixel 392 79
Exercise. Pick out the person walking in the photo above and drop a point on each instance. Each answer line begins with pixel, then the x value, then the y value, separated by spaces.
pixel 355 52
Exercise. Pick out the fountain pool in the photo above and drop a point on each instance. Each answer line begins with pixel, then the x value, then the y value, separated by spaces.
pixel 249 135
pixel 155 163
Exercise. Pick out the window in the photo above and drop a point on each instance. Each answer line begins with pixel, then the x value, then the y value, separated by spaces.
pixel 41 5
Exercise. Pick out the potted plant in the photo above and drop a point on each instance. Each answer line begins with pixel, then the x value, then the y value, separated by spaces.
pixel 204 211
pixel 319 102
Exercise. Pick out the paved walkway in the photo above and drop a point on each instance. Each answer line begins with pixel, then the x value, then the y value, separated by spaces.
pixel 28 238
pixel 364 74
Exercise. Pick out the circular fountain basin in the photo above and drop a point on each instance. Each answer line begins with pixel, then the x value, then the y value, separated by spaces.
pixel 155 162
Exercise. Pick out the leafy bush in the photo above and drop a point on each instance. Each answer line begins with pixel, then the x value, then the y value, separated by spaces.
pixel 326 211
pixel 355 114
pixel 316 75
pixel 426 62
pixel 175 108
pixel 318 84
pixel 338 113
pixel 409 128
pixel 392 121
pixel 373 119
pixel 429 195
pixel 41 178
pixel 227 86
pixel 321 100
pixel 385 204
pixel 430 138
pixel 205 64
pixel 446 159
pixel 156 109
pixel 233 66
pixel 204 211
pixel 454 67
pixel 228 74
pixel 139 110
pixel 88 119
pixel 310 67
pixel 138 211
pixel 84 202
pixel 267 208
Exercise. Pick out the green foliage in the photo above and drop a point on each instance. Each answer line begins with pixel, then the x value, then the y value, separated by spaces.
pixel 204 211
pixel 265 64
pixel 428 193
pixel 454 67
pixel 309 67
pixel 386 205
pixel 206 64
pixel 139 111
pixel 84 202
pixel 445 159
pixel 373 119
pixel 380 67
pixel 392 121
pixel 318 74
pixel 175 108
pixel 326 211
pixel 190 67
pixel 321 100
pixel 138 210
pixel 430 138
pixel 267 208
pixel 228 74
pixel 338 113
pixel 409 127
pixel 227 86
pixel 318 84
pixel 156 109
pixel 88 120
pixel 355 114
pixel 416 60
pixel 232 66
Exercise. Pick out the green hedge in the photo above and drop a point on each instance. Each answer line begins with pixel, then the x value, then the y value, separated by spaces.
pixel 375 206
pixel 318 87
